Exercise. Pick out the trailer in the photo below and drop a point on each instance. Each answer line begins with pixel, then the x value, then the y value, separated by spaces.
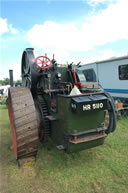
pixel 111 74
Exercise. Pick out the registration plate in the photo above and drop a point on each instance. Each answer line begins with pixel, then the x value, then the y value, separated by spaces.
pixel 87 103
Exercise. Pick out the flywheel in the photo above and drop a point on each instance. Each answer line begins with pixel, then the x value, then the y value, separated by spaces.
pixel 29 70
pixel 23 122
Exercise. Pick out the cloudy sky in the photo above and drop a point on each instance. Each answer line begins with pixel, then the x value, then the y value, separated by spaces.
pixel 74 30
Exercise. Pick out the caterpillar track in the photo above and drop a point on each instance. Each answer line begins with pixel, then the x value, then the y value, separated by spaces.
pixel 23 122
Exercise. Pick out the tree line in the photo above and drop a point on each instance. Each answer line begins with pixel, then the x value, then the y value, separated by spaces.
pixel 6 81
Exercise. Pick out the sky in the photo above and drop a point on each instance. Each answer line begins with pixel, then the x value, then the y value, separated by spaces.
pixel 73 30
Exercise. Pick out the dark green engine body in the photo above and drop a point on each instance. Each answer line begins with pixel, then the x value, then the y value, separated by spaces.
pixel 70 125
pixel 75 121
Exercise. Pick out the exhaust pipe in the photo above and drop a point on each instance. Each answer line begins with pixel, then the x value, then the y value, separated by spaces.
pixel 11 77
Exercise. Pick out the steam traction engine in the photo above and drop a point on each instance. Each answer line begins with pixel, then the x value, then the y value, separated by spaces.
pixel 55 101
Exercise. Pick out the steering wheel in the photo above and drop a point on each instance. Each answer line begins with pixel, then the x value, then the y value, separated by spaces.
pixel 43 62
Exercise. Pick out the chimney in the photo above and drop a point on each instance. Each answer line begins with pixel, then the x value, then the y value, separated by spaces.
pixel 11 77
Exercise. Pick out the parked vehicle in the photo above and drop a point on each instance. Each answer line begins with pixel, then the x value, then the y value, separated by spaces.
pixel 56 102
pixel 111 74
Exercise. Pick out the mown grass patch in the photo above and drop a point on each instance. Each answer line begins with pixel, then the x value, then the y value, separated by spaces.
pixel 103 169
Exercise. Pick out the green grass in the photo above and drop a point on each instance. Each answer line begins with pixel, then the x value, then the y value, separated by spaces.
pixel 103 169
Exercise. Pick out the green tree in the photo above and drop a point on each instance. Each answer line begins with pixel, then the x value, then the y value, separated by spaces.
pixel 18 83
pixel 6 81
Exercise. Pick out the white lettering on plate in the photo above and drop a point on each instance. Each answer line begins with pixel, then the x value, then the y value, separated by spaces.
pixel 94 106
pixel 86 107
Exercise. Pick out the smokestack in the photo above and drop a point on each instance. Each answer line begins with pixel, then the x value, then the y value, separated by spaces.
pixel 11 77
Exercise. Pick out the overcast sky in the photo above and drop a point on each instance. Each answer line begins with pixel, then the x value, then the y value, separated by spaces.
pixel 76 30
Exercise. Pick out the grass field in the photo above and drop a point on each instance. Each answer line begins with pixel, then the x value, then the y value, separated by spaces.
pixel 103 169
